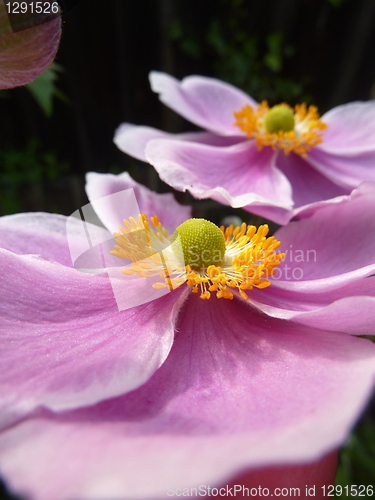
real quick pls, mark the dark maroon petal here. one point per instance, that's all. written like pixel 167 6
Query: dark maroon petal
pixel 26 54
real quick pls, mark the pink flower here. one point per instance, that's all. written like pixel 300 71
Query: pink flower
pixel 24 55
pixel 270 162
pixel 179 392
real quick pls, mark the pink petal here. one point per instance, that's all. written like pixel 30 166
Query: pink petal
pixel 323 280
pixel 351 128
pixel 349 308
pixel 207 102
pixel 308 185
pixel 347 154
pixel 237 175
pixel 208 138
pixel 346 169
pixel 26 54
pixel 43 234
pixel 170 213
pixel 309 209
pixel 132 139
pixel 259 390
pixel 354 315
pixel 64 344
pixel 338 238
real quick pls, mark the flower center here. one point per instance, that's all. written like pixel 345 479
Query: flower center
pixel 282 127
pixel 279 119
pixel 201 241
pixel 246 256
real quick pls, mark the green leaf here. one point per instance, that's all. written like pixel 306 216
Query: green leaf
pixel 43 88
pixel 357 457
pixel 274 58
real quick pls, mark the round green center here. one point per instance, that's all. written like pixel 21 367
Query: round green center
pixel 280 118
pixel 199 242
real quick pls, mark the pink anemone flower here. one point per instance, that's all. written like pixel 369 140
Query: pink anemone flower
pixel 268 161
pixel 25 54
pixel 181 392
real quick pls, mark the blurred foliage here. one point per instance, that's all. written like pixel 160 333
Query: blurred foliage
pixel 253 66
pixel 336 3
pixel 253 63
pixel 44 89
pixel 26 170
pixel 357 458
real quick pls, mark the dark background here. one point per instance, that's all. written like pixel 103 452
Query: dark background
pixel 317 51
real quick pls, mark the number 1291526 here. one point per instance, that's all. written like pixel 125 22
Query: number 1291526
pixel 32 7
pixel 349 491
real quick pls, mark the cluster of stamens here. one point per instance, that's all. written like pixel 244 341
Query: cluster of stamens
pixel 248 261
pixel 282 127
pixel 144 246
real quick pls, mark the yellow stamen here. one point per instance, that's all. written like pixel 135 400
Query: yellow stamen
pixel 306 133
pixel 249 259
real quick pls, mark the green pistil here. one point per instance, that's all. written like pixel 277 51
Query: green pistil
pixel 280 118
pixel 199 242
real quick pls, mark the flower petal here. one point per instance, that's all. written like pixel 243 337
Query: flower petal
pixel 171 213
pixel 309 209
pixel 308 185
pixel 26 54
pixel 349 308
pixel 262 391
pixel 207 102
pixel 351 128
pixel 347 154
pixel 237 175
pixel 132 139
pixel 347 170
pixel 64 343
pixel 354 315
pixel 324 279
pixel 43 234
pixel 338 238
